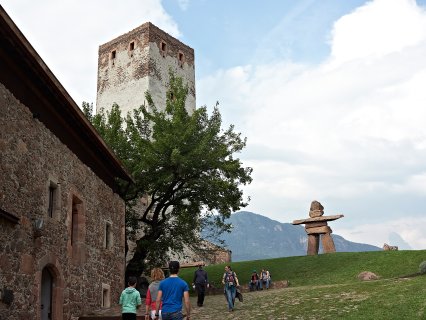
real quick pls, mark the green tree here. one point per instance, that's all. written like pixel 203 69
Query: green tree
pixel 185 163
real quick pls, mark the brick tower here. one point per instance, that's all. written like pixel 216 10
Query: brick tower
pixel 139 61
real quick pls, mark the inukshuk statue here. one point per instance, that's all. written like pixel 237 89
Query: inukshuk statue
pixel 316 227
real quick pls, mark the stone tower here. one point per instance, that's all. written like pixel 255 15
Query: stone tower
pixel 139 61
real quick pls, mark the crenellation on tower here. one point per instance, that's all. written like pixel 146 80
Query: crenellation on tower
pixel 139 61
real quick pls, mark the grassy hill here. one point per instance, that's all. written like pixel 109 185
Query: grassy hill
pixel 326 287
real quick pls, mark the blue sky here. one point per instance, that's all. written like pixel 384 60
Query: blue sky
pixel 228 33
pixel 329 93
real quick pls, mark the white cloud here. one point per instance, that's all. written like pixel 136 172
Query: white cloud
pixel 183 4
pixel 347 129
pixel 409 229
pixel 65 33
pixel 377 29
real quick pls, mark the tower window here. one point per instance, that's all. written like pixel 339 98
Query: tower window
pixel 113 54
pixel 163 48
pixel 181 59
pixel 108 235
pixel 132 46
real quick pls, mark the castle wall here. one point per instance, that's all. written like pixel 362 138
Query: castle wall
pixel 207 252
pixel 139 61
pixel 87 267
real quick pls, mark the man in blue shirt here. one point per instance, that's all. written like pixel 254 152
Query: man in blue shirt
pixel 171 291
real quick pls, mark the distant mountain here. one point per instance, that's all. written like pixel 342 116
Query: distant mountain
pixel 256 237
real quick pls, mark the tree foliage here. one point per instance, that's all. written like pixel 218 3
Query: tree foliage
pixel 186 165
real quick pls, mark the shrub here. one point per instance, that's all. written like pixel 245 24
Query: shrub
pixel 422 267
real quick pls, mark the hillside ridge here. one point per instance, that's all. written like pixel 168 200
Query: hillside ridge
pixel 255 237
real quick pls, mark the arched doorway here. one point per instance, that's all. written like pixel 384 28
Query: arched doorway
pixel 46 294
pixel 51 286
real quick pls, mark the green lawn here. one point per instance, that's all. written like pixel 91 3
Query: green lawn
pixel 326 287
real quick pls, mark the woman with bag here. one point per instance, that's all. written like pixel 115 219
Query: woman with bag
pixel 230 282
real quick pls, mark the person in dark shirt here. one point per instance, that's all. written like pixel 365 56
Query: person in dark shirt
pixel 200 282
pixel 254 281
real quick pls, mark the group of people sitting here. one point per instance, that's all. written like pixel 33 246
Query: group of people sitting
pixel 260 281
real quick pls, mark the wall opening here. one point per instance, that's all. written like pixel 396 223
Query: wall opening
pixel 74 220
pixel 113 56
pixel 106 296
pixel 108 235
pixel 53 195
pixel 163 48
pixel 46 300
pixel 181 59
pixel 50 299
pixel 132 46
pixel 77 232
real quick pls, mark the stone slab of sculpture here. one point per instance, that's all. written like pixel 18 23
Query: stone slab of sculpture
pixel 316 210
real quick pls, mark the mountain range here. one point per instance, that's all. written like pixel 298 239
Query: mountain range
pixel 255 237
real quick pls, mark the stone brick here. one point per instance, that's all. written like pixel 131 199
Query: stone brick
pixel 315 224
pixel 318 230
pixel 313 244
pixel 27 264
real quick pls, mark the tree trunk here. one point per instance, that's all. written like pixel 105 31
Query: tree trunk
pixel 136 265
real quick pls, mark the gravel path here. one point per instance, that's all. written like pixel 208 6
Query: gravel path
pixel 216 308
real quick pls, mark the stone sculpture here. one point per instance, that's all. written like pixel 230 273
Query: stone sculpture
pixel 316 227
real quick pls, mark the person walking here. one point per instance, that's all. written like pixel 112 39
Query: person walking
pixel 170 294
pixel 201 282
pixel 130 300
pixel 230 282
pixel 151 295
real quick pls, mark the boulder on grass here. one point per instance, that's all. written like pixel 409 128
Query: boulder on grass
pixel 367 276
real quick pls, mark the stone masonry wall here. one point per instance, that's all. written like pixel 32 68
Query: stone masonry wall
pixel 134 63
pixel 207 252
pixel 31 160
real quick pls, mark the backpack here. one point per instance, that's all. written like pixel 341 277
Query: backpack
pixel 230 278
